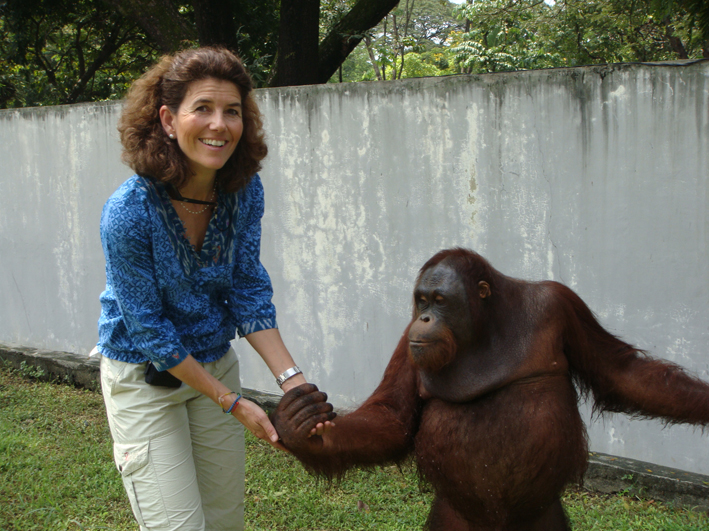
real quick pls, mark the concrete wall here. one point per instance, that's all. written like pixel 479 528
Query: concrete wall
pixel 595 177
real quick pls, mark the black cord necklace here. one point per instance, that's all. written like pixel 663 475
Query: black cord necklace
pixel 175 194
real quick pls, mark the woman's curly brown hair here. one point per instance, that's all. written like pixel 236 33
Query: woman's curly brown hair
pixel 146 147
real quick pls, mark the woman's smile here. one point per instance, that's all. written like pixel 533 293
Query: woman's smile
pixel 208 124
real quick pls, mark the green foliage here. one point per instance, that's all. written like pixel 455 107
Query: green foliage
pixel 30 371
pixel 422 65
pixel 522 34
pixel 63 51
pixel 418 31
pixel 60 51
pixel 258 39
pixel 356 67
pixel 331 12
pixel 503 35
pixel 698 10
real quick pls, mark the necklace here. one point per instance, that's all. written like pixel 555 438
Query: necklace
pixel 211 199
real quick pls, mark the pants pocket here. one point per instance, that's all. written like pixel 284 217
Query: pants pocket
pixel 111 371
pixel 141 484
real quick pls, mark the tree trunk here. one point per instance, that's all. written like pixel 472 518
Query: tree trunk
pixel 384 40
pixel 297 62
pixel 397 46
pixel 348 33
pixel 215 25
pixel 678 47
pixel 409 9
pixel 368 42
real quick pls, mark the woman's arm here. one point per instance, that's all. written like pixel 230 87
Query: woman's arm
pixel 250 300
pixel 246 412
pixel 130 270
pixel 270 346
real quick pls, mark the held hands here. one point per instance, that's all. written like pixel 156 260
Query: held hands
pixel 307 406
pixel 302 417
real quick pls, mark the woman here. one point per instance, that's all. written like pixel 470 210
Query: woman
pixel 182 241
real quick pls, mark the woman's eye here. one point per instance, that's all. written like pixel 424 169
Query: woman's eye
pixel 234 112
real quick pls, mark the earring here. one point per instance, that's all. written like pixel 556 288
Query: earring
pixel 171 136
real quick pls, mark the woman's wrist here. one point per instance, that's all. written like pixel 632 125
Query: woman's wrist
pixel 287 375
pixel 292 382
pixel 228 401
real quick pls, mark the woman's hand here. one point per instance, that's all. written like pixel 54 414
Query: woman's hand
pixel 257 422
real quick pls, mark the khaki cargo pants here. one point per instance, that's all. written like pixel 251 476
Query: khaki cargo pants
pixel 180 457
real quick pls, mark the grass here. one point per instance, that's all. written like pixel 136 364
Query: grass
pixel 56 473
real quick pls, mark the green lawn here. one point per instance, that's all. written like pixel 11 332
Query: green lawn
pixel 56 473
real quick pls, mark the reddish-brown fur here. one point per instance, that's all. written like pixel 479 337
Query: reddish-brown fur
pixel 499 434
pixel 440 354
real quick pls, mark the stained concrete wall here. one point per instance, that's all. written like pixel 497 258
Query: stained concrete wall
pixel 596 177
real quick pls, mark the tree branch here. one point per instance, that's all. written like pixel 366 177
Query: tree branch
pixel 348 33
pixel 110 46
pixel 158 18
pixel 368 43
pixel 39 43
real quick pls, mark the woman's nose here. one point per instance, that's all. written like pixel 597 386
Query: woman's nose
pixel 218 121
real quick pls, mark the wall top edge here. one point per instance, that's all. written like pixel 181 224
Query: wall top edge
pixel 685 65
pixel 693 65
pixel 89 107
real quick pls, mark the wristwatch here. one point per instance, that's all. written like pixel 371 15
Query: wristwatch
pixel 288 373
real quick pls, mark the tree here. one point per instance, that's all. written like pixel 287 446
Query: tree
pixel 518 34
pixel 349 32
pixel 61 51
pixel 698 11
pixel 414 27
pixel 298 43
pixel 249 27
pixel 298 28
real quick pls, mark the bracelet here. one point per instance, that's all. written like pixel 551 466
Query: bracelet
pixel 288 373
pixel 219 400
pixel 233 405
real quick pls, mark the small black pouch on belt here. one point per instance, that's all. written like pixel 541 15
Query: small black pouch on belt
pixel 161 379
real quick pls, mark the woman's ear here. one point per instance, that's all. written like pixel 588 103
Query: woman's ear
pixel 168 121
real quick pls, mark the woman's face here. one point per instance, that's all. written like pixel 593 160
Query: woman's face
pixel 207 124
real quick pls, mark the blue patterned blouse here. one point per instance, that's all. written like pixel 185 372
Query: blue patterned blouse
pixel 163 299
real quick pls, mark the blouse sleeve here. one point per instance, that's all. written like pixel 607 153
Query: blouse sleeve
pixel 250 297
pixel 130 268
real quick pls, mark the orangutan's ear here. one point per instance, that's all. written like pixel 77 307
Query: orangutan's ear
pixel 484 289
